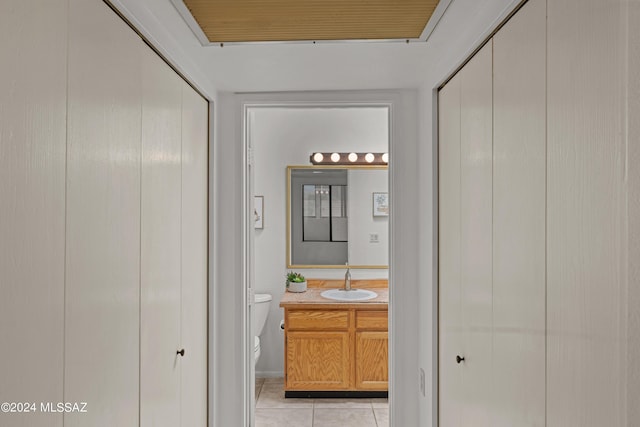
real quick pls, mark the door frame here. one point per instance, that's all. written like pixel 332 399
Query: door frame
pixel 399 337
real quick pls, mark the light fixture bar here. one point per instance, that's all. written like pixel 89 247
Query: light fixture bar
pixel 350 158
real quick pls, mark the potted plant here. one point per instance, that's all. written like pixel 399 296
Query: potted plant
pixel 296 282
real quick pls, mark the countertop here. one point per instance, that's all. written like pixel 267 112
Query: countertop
pixel 312 299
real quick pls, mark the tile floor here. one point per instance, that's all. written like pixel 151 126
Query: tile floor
pixel 273 410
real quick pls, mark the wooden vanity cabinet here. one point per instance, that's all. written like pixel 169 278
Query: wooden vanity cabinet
pixel 371 350
pixel 318 360
pixel 317 349
pixel 336 349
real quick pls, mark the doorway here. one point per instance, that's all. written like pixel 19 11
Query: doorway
pixel 230 373
pixel 282 138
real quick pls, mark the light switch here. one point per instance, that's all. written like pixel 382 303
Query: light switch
pixel 374 238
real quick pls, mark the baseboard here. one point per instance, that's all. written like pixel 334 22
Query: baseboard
pixel 337 394
pixel 269 374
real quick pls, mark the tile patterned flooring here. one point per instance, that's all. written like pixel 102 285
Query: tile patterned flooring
pixel 273 410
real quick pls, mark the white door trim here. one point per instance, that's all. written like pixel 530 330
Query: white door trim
pixel 403 343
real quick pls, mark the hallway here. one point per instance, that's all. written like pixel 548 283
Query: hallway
pixel 514 234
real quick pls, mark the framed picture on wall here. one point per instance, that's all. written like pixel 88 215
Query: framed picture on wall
pixel 258 212
pixel 380 204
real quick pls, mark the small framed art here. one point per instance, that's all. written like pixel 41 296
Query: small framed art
pixel 380 204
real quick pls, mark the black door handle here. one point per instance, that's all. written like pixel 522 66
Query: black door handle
pixel 180 352
pixel 459 359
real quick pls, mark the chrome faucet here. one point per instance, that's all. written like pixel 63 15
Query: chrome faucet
pixel 347 279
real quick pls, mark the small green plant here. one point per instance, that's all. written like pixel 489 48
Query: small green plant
pixel 293 277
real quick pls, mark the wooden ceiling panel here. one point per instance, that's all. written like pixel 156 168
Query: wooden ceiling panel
pixel 293 20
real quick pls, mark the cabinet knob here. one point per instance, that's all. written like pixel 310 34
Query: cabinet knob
pixel 459 359
pixel 180 352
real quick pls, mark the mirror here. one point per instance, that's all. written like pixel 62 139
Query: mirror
pixel 337 214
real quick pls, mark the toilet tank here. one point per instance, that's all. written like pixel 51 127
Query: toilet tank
pixel 260 312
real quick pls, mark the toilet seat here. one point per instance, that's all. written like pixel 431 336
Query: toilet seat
pixel 262 298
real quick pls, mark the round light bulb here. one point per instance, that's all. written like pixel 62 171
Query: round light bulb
pixel 353 157
pixel 369 157
pixel 385 157
pixel 335 157
pixel 318 157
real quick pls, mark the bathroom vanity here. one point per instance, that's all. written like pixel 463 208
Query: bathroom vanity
pixel 336 348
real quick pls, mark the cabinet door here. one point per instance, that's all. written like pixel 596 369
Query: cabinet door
pixel 371 359
pixel 519 186
pixel 476 137
pixel 449 324
pixel 318 360
pixel 161 244
pixel 194 258
pixel 103 218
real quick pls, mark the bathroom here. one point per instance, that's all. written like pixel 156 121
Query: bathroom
pixel 284 136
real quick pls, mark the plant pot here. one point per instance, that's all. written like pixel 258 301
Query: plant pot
pixel 297 286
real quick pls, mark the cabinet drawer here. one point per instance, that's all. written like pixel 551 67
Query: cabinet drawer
pixel 318 319
pixel 374 320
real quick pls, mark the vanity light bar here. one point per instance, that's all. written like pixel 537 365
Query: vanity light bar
pixel 349 158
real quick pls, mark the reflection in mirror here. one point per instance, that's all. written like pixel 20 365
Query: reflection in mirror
pixel 330 218
pixel 324 213
pixel 319 235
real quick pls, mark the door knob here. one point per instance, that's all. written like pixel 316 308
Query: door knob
pixel 459 359
pixel 180 352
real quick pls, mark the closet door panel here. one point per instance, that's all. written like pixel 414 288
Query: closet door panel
pixel 585 300
pixel 194 257
pixel 519 207
pixel 103 218
pixel 33 84
pixel 161 244
pixel 476 236
pixel 450 328
pixel 633 215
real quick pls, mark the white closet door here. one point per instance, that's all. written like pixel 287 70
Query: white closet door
pixel 586 296
pixel 519 206
pixel 476 117
pixel 161 244
pixel 633 213
pixel 450 328
pixel 103 218
pixel 33 84
pixel 194 257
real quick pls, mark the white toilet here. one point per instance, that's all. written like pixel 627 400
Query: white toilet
pixel 260 313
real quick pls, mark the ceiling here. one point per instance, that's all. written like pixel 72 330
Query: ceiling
pixel 224 21
pixel 276 67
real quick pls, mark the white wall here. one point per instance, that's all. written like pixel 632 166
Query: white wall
pixel 362 223
pixel 287 136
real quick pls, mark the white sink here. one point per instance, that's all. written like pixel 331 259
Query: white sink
pixel 352 295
